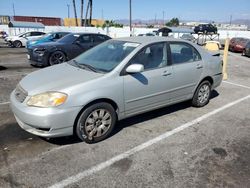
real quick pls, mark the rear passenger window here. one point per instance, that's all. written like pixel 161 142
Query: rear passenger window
pixel 100 38
pixel 183 53
pixel 85 39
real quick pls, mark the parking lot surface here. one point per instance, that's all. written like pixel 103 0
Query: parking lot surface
pixel 176 146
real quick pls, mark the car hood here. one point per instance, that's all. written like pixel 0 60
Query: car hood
pixel 56 78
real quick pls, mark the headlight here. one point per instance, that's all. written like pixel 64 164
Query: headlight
pixel 46 100
pixel 40 52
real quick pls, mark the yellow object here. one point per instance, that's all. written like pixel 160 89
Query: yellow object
pixel 225 58
pixel 71 22
pixel 212 46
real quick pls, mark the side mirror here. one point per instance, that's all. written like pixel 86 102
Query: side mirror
pixel 135 68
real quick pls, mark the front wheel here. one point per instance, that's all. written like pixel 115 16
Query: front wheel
pixel 17 44
pixel 202 94
pixel 96 122
pixel 57 57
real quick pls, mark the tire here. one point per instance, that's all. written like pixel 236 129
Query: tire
pixel 202 94
pixel 57 57
pixel 17 44
pixel 243 53
pixel 99 118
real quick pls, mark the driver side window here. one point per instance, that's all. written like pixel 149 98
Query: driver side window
pixel 151 57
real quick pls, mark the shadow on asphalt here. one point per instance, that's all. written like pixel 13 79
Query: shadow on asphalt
pixel 13 133
pixel 3 68
pixel 155 114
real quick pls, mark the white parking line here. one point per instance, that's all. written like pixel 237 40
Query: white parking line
pixel 4 103
pixel 239 85
pixel 105 164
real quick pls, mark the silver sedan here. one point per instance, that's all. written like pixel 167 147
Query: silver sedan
pixel 115 80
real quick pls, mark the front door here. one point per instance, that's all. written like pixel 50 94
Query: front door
pixel 148 89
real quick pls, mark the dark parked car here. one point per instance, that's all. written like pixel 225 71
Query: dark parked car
pixel 64 49
pixel 205 28
pixel 238 44
pixel 246 51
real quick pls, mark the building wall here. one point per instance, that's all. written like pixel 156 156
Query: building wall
pixel 50 21
pixel 4 20
pixel 71 22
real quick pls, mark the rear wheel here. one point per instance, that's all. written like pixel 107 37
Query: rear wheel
pixel 17 44
pixel 244 53
pixel 202 94
pixel 57 57
pixel 96 122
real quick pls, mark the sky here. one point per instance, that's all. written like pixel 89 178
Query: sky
pixel 195 10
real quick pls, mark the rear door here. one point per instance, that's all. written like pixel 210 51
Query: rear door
pixel 187 69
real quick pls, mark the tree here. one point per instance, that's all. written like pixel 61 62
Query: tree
pixel 173 22
pixel 86 15
pixel 90 11
pixel 74 5
pixel 82 5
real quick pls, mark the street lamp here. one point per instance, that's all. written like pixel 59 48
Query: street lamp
pixel 68 10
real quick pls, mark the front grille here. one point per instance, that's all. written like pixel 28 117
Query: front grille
pixel 20 93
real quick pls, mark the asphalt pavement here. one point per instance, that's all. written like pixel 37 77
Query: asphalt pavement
pixel 177 146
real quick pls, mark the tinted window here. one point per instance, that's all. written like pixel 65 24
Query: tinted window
pixel 183 52
pixel 85 39
pixel 153 56
pixel 26 34
pixel 100 38
pixel 70 38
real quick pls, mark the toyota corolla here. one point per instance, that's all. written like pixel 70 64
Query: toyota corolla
pixel 112 81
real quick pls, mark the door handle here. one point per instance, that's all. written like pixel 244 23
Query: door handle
pixel 199 66
pixel 166 73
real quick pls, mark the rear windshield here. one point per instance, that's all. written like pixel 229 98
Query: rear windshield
pixel 69 38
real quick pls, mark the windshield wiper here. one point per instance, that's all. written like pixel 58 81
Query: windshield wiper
pixel 84 66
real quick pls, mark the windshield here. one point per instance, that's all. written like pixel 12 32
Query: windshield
pixel 48 36
pixel 106 56
pixel 69 38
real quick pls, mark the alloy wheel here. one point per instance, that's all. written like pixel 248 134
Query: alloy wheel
pixel 203 94
pixel 97 123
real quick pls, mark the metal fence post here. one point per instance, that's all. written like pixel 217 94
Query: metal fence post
pixel 225 59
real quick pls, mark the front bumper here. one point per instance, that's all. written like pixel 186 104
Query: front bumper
pixel 36 59
pixel 44 122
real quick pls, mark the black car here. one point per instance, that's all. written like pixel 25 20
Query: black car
pixel 205 28
pixel 64 49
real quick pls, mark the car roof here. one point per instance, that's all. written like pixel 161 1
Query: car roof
pixel 86 33
pixel 148 39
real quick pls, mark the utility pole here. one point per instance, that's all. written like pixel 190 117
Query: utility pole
pixel 163 15
pixel 13 6
pixel 231 19
pixel 130 17
pixel 68 10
